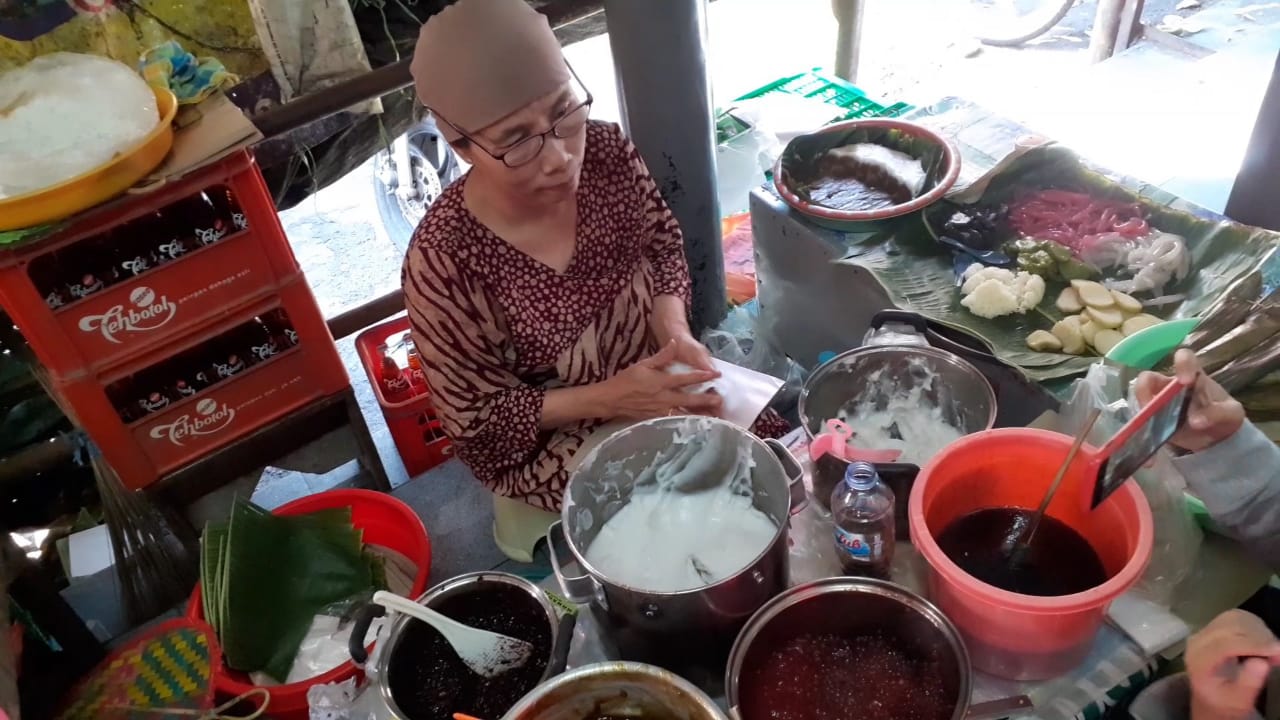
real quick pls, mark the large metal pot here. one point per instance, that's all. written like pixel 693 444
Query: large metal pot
pixel 616 689
pixel 670 628
pixel 961 392
pixel 384 705
pixel 851 606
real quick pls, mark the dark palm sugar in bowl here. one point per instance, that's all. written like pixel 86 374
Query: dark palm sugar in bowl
pixel 860 677
pixel 428 680
pixel 1058 560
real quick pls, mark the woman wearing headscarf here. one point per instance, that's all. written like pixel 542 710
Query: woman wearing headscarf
pixel 548 287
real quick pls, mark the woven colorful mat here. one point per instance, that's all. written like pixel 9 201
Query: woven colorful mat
pixel 167 669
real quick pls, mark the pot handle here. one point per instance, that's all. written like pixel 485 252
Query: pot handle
pixel 580 589
pixel 915 321
pixel 998 708
pixel 794 473
pixel 356 644
pixel 927 335
pixel 564 639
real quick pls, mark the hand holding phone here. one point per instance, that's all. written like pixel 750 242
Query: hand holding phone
pixel 1143 436
pixel 1213 416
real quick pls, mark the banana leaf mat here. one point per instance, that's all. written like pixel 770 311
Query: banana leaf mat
pixel 918 274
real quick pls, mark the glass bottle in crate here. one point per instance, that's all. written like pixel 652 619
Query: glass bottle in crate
pixel 277 325
pixel 862 510
pixel 203 220
pixel 262 341
pixel 46 275
pixel 133 257
pixel 394 381
pixel 224 201
pixel 170 236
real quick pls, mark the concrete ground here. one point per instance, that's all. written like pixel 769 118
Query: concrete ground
pixel 914 50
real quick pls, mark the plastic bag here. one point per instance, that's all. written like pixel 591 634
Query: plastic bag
pixel 1177 537
pixel 740 348
pixel 334 701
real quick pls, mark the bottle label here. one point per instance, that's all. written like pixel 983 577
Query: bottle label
pixel 868 547
pixel 209 236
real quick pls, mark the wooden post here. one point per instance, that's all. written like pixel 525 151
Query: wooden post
pixel 849 14
pixel 1116 24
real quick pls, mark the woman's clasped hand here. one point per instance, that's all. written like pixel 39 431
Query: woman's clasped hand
pixel 648 390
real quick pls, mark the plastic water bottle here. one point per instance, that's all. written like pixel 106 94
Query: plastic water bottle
pixel 862 508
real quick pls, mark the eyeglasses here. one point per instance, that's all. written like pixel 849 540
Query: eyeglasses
pixel 524 151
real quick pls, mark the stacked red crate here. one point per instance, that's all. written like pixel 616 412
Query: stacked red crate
pixel 176 326
pixel 417 432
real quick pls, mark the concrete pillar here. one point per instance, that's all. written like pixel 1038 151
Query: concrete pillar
pixel 849 15
pixel 659 52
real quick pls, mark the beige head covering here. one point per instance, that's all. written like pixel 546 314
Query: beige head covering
pixel 478 61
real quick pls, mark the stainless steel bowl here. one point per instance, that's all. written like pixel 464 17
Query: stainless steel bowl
pixel 463 585
pixel 668 627
pixel 962 392
pixel 850 606
pixel 616 688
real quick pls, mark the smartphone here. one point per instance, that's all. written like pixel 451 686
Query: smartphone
pixel 1143 436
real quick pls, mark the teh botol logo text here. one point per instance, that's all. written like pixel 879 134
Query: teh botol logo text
pixel 148 313
pixel 210 417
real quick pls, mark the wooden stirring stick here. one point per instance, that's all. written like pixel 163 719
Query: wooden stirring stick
pixel 1024 539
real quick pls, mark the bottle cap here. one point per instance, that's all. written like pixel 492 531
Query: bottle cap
pixel 860 476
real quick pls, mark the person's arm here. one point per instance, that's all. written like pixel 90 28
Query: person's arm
pixel 494 419
pixel 1234 469
pixel 1238 479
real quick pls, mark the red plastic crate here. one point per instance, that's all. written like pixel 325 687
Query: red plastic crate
pixel 135 317
pixel 418 434
pixel 145 450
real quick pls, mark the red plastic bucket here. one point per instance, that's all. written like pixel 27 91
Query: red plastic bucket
pixel 386 522
pixel 1009 635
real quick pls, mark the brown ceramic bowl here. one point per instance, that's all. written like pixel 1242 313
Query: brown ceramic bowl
pixel 939 157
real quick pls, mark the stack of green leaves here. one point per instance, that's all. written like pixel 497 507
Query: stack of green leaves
pixel 265 577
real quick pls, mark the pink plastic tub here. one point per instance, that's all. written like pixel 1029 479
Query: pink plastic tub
pixel 1009 635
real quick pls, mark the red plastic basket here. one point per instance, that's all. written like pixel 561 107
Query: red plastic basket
pixel 417 432
pixel 143 451
pixel 142 314
pixel 386 522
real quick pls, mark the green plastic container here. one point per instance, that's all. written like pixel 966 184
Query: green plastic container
pixel 849 101
pixel 1143 349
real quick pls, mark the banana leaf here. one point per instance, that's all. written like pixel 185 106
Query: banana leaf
pixel 277 574
pixel 212 546
pixel 918 274
pixel 1231 308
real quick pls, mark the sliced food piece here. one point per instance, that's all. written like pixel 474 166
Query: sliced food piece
pixel 1105 340
pixel 1138 323
pixel 991 299
pixel 1067 330
pixel 1093 294
pixel 1108 318
pixel 1126 302
pixel 1088 329
pixel 1069 301
pixel 1044 341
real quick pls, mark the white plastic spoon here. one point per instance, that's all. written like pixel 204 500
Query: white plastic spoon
pixel 485 653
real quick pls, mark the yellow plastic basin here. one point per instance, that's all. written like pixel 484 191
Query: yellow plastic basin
pixel 98 185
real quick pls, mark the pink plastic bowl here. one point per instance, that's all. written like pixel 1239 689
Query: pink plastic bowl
pixel 1009 635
